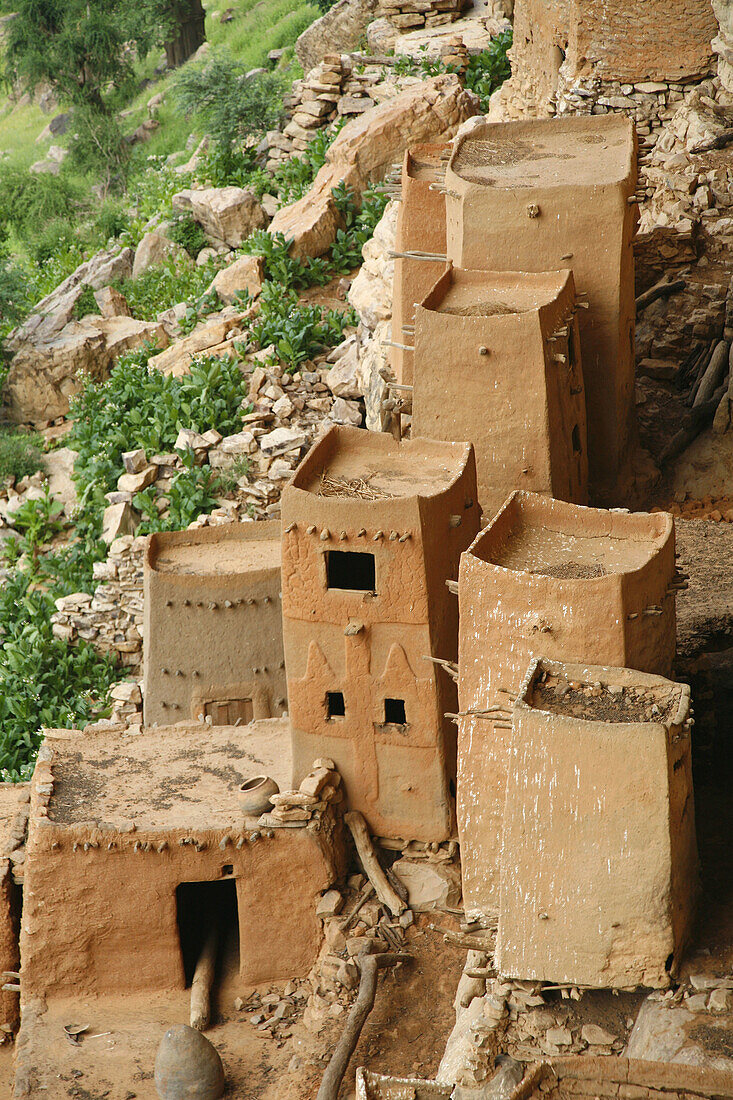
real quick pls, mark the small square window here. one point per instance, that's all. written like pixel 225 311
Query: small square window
pixel 335 706
pixel 351 570
pixel 394 712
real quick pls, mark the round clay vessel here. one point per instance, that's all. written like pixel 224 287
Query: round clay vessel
pixel 187 1066
pixel 254 795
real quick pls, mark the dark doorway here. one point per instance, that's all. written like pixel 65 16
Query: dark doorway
pixel 198 906
pixel 351 570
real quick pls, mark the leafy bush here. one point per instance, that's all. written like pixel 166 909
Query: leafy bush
pixel 230 166
pixel 86 304
pixel 16 294
pixel 111 221
pixel 488 70
pixel 188 233
pixel 360 224
pixel 298 332
pixel 138 407
pixel 43 681
pixel 225 102
pixel 194 491
pixel 20 454
pixel 165 285
pixel 154 189
pixel 31 200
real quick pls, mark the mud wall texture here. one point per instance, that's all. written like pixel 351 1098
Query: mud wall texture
pixel 510 615
pixel 421 228
pixel 583 221
pixel 598 859
pixel 612 1077
pixel 214 634
pixel 100 906
pixel 365 652
pixel 499 373
pixel 9 951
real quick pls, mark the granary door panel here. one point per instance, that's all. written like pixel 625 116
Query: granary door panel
pixel 229 712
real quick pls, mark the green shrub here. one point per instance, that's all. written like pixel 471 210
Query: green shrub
pixel 86 304
pixel 17 294
pixel 488 70
pixel 194 491
pixel 230 166
pixel 31 200
pixel 52 239
pixel 43 681
pixel 20 454
pixel 188 233
pixel 138 407
pixel 225 102
pixel 298 332
pixel 154 188
pixel 164 286
pixel 111 220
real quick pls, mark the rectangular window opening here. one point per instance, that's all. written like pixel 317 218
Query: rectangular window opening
pixel 351 570
pixel 394 712
pixel 335 706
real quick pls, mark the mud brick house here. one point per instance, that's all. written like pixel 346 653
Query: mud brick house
pixel 547 579
pixel 598 856
pixel 629 41
pixel 552 194
pixel 498 357
pixel 420 228
pixel 139 838
pixel 371 530
pixel 13 824
pixel 213 625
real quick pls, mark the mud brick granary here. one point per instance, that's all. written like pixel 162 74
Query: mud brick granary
pixel 550 579
pixel 499 364
pixel 545 195
pixel 371 531
pixel 598 856
pixel 213 625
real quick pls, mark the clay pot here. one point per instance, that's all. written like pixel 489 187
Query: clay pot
pixel 254 795
pixel 187 1066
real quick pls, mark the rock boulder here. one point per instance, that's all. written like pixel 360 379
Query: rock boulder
pixel 226 214
pixel 340 30
pixel 429 111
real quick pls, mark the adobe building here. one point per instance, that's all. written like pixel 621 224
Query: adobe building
pixel 555 194
pixel 498 357
pixel 137 838
pixel 558 43
pixel 13 825
pixel 371 530
pixel 213 625
pixel 420 228
pixel 599 870
pixel 547 579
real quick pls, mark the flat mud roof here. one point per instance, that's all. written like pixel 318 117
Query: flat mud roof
pixel 183 776
pixel 494 293
pixel 357 465
pixel 568 152
pixel 231 549
pixel 534 534
pixel 596 701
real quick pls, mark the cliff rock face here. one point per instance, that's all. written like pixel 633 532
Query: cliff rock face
pixel 340 30
pixel 723 42
pixel 365 150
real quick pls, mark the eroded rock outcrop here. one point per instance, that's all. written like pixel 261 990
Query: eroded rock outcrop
pixel 366 148
pixel 226 214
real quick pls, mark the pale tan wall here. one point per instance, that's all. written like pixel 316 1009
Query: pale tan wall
pixel 588 846
pixel 639 40
pixel 541 32
pixel 506 619
pixel 104 921
pixel 420 227
pixel 208 649
pixel 601 1076
pixel 515 404
pixel 590 229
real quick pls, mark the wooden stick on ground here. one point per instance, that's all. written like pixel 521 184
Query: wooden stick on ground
pixel 362 1006
pixel 659 291
pixel 371 864
pixel 203 980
